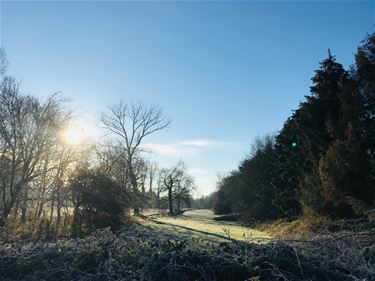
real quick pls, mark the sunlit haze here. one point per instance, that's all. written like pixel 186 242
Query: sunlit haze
pixel 73 136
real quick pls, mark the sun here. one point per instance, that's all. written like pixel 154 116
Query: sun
pixel 72 136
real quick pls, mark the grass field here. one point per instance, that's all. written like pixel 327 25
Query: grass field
pixel 201 223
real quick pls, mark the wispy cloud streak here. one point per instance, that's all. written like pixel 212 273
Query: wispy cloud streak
pixel 186 148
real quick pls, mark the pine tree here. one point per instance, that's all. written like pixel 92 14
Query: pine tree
pixel 300 145
pixel 343 166
pixel 256 190
pixel 365 63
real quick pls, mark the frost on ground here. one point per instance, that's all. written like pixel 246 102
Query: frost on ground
pixel 143 253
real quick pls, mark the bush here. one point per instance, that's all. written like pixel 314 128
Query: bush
pixel 98 202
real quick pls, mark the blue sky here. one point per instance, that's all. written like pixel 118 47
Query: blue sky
pixel 225 72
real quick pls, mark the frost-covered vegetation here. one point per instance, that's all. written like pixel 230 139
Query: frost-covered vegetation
pixel 145 253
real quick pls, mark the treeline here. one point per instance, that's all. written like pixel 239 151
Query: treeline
pixel 323 159
pixel 52 181
pixel 204 202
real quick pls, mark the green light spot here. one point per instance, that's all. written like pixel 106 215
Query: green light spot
pixel 294 144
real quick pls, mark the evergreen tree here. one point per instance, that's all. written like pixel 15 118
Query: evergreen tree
pixel 323 159
pixel 299 147
pixel 227 194
pixel 342 165
pixel 365 71
pixel 365 74
pixel 256 190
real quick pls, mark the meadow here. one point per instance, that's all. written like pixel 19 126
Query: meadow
pixel 202 223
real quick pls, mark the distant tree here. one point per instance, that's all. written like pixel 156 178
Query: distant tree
pixel 153 169
pixel 205 202
pixel 141 172
pixel 227 194
pixel 250 191
pixel 170 179
pixel 177 185
pixel 183 190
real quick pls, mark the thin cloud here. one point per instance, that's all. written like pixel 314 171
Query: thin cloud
pixel 199 143
pixel 185 148
pixel 171 150
pixel 207 143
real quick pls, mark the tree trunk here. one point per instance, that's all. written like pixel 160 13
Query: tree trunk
pixel 8 207
pixel 52 207
pixel 143 188
pixel 150 188
pixel 75 223
pixel 24 205
pixel 133 182
pixel 58 219
pixel 58 209
pixel 15 210
pixel 170 200
pixel 40 209
pixel 178 205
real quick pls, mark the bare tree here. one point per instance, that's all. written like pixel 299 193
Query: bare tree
pixel 132 123
pixel 160 184
pixel 109 157
pixel 183 190
pixel 152 173
pixel 28 129
pixel 178 185
pixel 3 62
pixel 170 180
